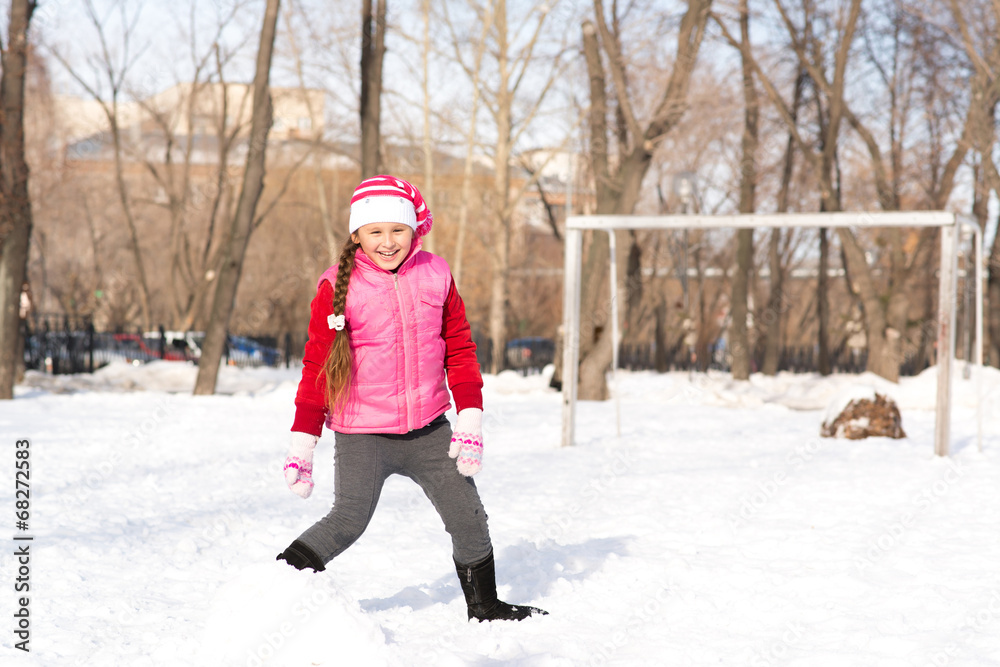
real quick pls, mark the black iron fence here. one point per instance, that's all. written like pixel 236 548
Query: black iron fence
pixel 524 355
pixel 60 344
pixel 796 359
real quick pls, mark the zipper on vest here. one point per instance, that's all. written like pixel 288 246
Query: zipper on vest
pixel 407 354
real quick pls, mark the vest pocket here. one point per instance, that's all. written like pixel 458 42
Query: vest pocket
pixel 431 311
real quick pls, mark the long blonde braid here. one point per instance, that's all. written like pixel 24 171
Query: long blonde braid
pixel 338 365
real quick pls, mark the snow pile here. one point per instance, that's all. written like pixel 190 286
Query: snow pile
pixel 807 391
pixel 163 376
pixel 273 614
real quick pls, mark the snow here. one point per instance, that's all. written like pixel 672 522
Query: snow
pixel 718 529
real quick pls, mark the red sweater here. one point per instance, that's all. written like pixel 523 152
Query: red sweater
pixel 461 365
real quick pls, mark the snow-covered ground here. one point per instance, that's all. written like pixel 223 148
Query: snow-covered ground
pixel 718 529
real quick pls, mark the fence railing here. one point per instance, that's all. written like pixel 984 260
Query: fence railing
pixel 796 359
pixel 60 344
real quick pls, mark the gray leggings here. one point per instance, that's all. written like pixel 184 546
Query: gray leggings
pixel 363 463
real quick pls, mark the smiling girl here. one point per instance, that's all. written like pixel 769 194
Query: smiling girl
pixel 387 337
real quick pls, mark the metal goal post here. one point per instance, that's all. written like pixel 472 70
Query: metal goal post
pixel 950 223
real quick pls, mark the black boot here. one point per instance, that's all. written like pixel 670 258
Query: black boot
pixel 301 557
pixel 480 587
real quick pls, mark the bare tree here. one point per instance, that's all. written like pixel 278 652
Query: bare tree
pixel 193 260
pixel 473 70
pixel 883 337
pixel 738 337
pixel 887 303
pixel 243 221
pixel 618 178
pixel 428 145
pixel 372 55
pixel 776 297
pixel 513 110
pixel 512 69
pixel 114 74
pixel 982 46
pixel 326 214
pixel 15 204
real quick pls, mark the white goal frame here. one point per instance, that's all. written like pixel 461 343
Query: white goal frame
pixel 950 223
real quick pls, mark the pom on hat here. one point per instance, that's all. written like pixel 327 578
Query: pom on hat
pixel 389 199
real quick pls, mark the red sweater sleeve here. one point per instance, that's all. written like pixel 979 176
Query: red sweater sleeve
pixel 310 400
pixel 464 378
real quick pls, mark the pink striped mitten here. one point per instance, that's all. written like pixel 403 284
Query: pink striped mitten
pixel 299 463
pixel 467 441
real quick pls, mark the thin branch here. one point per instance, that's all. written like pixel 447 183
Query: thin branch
pixel 284 186
pixel 617 67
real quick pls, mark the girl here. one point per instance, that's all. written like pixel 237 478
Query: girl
pixel 387 329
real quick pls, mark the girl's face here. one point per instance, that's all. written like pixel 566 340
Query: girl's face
pixel 386 243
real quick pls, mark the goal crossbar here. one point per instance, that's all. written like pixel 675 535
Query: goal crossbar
pixel 949 223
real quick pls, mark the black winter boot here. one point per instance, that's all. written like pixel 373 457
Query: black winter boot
pixel 301 557
pixel 480 587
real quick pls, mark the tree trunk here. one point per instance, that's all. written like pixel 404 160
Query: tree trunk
pixel 660 361
pixel 993 304
pixel 772 318
pixel 428 185
pixel 634 312
pixel 372 53
pixel 823 304
pixel 499 265
pixel 702 353
pixel 595 314
pixel 15 204
pixel 617 189
pixel 776 299
pixel 883 354
pixel 500 237
pixel 592 383
pixel 242 222
pixel 739 339
pixel 829 203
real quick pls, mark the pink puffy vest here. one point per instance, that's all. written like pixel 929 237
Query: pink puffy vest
pixel 394 319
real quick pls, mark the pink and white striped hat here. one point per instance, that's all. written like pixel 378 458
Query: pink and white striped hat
pixel 389 199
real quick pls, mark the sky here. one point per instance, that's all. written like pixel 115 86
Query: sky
pixel 331 53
